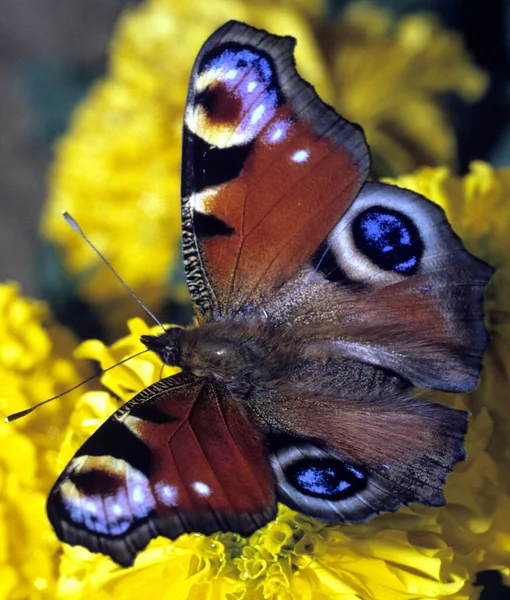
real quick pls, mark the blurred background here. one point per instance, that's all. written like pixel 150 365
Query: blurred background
pixel 52 51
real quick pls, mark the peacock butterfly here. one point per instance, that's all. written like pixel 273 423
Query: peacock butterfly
pixel 321 302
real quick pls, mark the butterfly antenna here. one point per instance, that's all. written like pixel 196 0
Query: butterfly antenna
pixel 78 229
pixel 24 413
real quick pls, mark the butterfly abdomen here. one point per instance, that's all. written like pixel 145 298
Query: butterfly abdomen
pixel 334 376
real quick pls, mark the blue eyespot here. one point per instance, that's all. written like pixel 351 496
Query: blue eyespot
pixel 326 478
pixel 389 239
pixel 242 90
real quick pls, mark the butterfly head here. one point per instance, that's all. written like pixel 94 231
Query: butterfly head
pixel 167 346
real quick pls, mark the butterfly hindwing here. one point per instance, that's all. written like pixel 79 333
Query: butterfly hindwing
pixel 258 145
pixel 393 286
pixel 179 457
pixel 338 460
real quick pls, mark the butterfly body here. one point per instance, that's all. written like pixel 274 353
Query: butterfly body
pixel 253 359
pixel 322 302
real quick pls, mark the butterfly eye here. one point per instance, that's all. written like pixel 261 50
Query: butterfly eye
pixel 171 356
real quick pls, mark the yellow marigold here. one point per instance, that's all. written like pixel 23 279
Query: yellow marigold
pixel 34 365
pixel 418 552
pixel 118 169
pixel 388 75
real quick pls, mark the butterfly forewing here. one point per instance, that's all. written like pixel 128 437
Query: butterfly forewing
pixel 258 145
pixel 179 457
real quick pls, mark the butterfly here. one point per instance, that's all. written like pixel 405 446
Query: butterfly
pixel 322 301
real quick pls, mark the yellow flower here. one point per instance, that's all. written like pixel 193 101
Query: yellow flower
pixel 417 552
pixel 388 76
pixel 34 365
pixel 117 171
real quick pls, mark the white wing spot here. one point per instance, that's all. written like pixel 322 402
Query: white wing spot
pixel 300 156
pixel 167 494
pixel 137 494
pixel 202 489
pixel 257 114
pixel 277 135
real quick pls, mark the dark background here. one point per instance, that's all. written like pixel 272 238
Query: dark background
pixel 52 50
